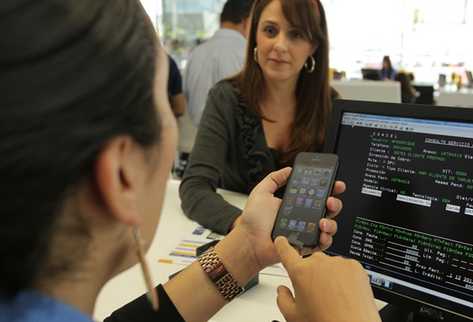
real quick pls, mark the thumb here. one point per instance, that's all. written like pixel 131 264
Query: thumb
pixel 287 254
pixel 273 181
pixel 287 304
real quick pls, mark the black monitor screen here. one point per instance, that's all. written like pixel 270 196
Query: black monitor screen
pixel 408 208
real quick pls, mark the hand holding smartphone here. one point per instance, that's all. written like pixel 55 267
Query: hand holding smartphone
pixel 304 202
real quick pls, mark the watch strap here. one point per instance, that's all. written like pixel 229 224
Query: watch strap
pixel 226 285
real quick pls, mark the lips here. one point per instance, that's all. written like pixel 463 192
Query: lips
pixel 278 61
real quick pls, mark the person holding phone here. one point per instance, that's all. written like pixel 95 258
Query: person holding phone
pixel 258 121
pixel 84 166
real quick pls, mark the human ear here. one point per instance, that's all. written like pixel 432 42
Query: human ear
pixel 119 177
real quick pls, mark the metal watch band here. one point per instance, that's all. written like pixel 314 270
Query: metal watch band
pixel 218 274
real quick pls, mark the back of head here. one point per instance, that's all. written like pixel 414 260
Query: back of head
pixel 236 11
pixel 74 75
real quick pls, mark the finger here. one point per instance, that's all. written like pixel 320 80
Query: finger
pixel 287 304
pixel 339 188
pixel 334 206
pixel 274 181
pixel 328 226
pixel 288 255
pixel 325 241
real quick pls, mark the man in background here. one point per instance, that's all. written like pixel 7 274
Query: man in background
pixel 175 93
pixel 220 57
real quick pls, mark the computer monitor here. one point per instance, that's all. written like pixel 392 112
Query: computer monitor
pixel 408 207
pixel 371 73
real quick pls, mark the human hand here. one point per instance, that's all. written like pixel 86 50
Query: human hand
pixel 258 217
pixel 236 222
pixel 327 289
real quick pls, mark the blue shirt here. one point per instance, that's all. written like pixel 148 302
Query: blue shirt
pixel 220 57
pixel 31 306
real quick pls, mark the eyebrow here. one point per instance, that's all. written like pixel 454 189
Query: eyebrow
pixel 270 22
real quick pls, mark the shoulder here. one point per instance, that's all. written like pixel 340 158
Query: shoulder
pixel 226 99
pixel 225 93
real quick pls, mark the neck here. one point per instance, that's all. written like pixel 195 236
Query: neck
pixel 87 270
pixel 78 290
pixel 233 26
pixel 280 99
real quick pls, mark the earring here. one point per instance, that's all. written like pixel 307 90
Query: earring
pixel 255 54
pixel 152 295
pixel 310 69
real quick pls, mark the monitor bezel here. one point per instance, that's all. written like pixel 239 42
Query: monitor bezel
pixel 441 113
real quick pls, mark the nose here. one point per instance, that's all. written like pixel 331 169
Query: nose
pixel 281 45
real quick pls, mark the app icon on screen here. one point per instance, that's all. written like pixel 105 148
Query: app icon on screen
pixel 283 223
pixel 301 226
pixel 311 227
pixel 288 210
pixel 299 201
pixel 308 203
pixel 292 225
pixel 318 204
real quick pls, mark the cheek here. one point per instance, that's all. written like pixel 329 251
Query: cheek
pixel 302 53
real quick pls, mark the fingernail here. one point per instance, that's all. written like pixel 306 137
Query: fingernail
pixel 323 224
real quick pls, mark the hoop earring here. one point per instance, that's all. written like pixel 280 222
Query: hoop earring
pixel 310 69
pixel 152 295
pixel 255 54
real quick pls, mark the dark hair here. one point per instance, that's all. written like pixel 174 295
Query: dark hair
pixel 313 91
pixel 74 75
pixel 236 11
pixel 387 60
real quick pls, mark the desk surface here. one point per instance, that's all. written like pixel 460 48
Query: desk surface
pixel 260 301
pixel 461 98
pixel 366 90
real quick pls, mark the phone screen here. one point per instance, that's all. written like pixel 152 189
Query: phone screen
pixel 304 203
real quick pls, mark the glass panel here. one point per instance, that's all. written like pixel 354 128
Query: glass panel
pixel 427 37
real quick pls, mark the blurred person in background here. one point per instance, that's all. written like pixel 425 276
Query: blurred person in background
pixel 221 56
pixel 176 95
pixel 387 71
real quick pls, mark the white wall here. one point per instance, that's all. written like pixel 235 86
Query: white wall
pixel 153 8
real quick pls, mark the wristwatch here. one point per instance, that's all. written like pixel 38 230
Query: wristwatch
pixel 227 286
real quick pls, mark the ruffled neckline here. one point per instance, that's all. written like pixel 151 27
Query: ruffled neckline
pixel 260 158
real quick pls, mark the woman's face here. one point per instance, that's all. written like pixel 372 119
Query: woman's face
pixel 282 48
pixel 385 63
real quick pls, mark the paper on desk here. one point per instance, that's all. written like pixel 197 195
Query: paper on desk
pixel 184 252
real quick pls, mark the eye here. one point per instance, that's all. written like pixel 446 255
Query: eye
pixel 270 31
pixel 296 34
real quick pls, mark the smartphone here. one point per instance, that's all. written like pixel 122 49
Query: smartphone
pixel 304 202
